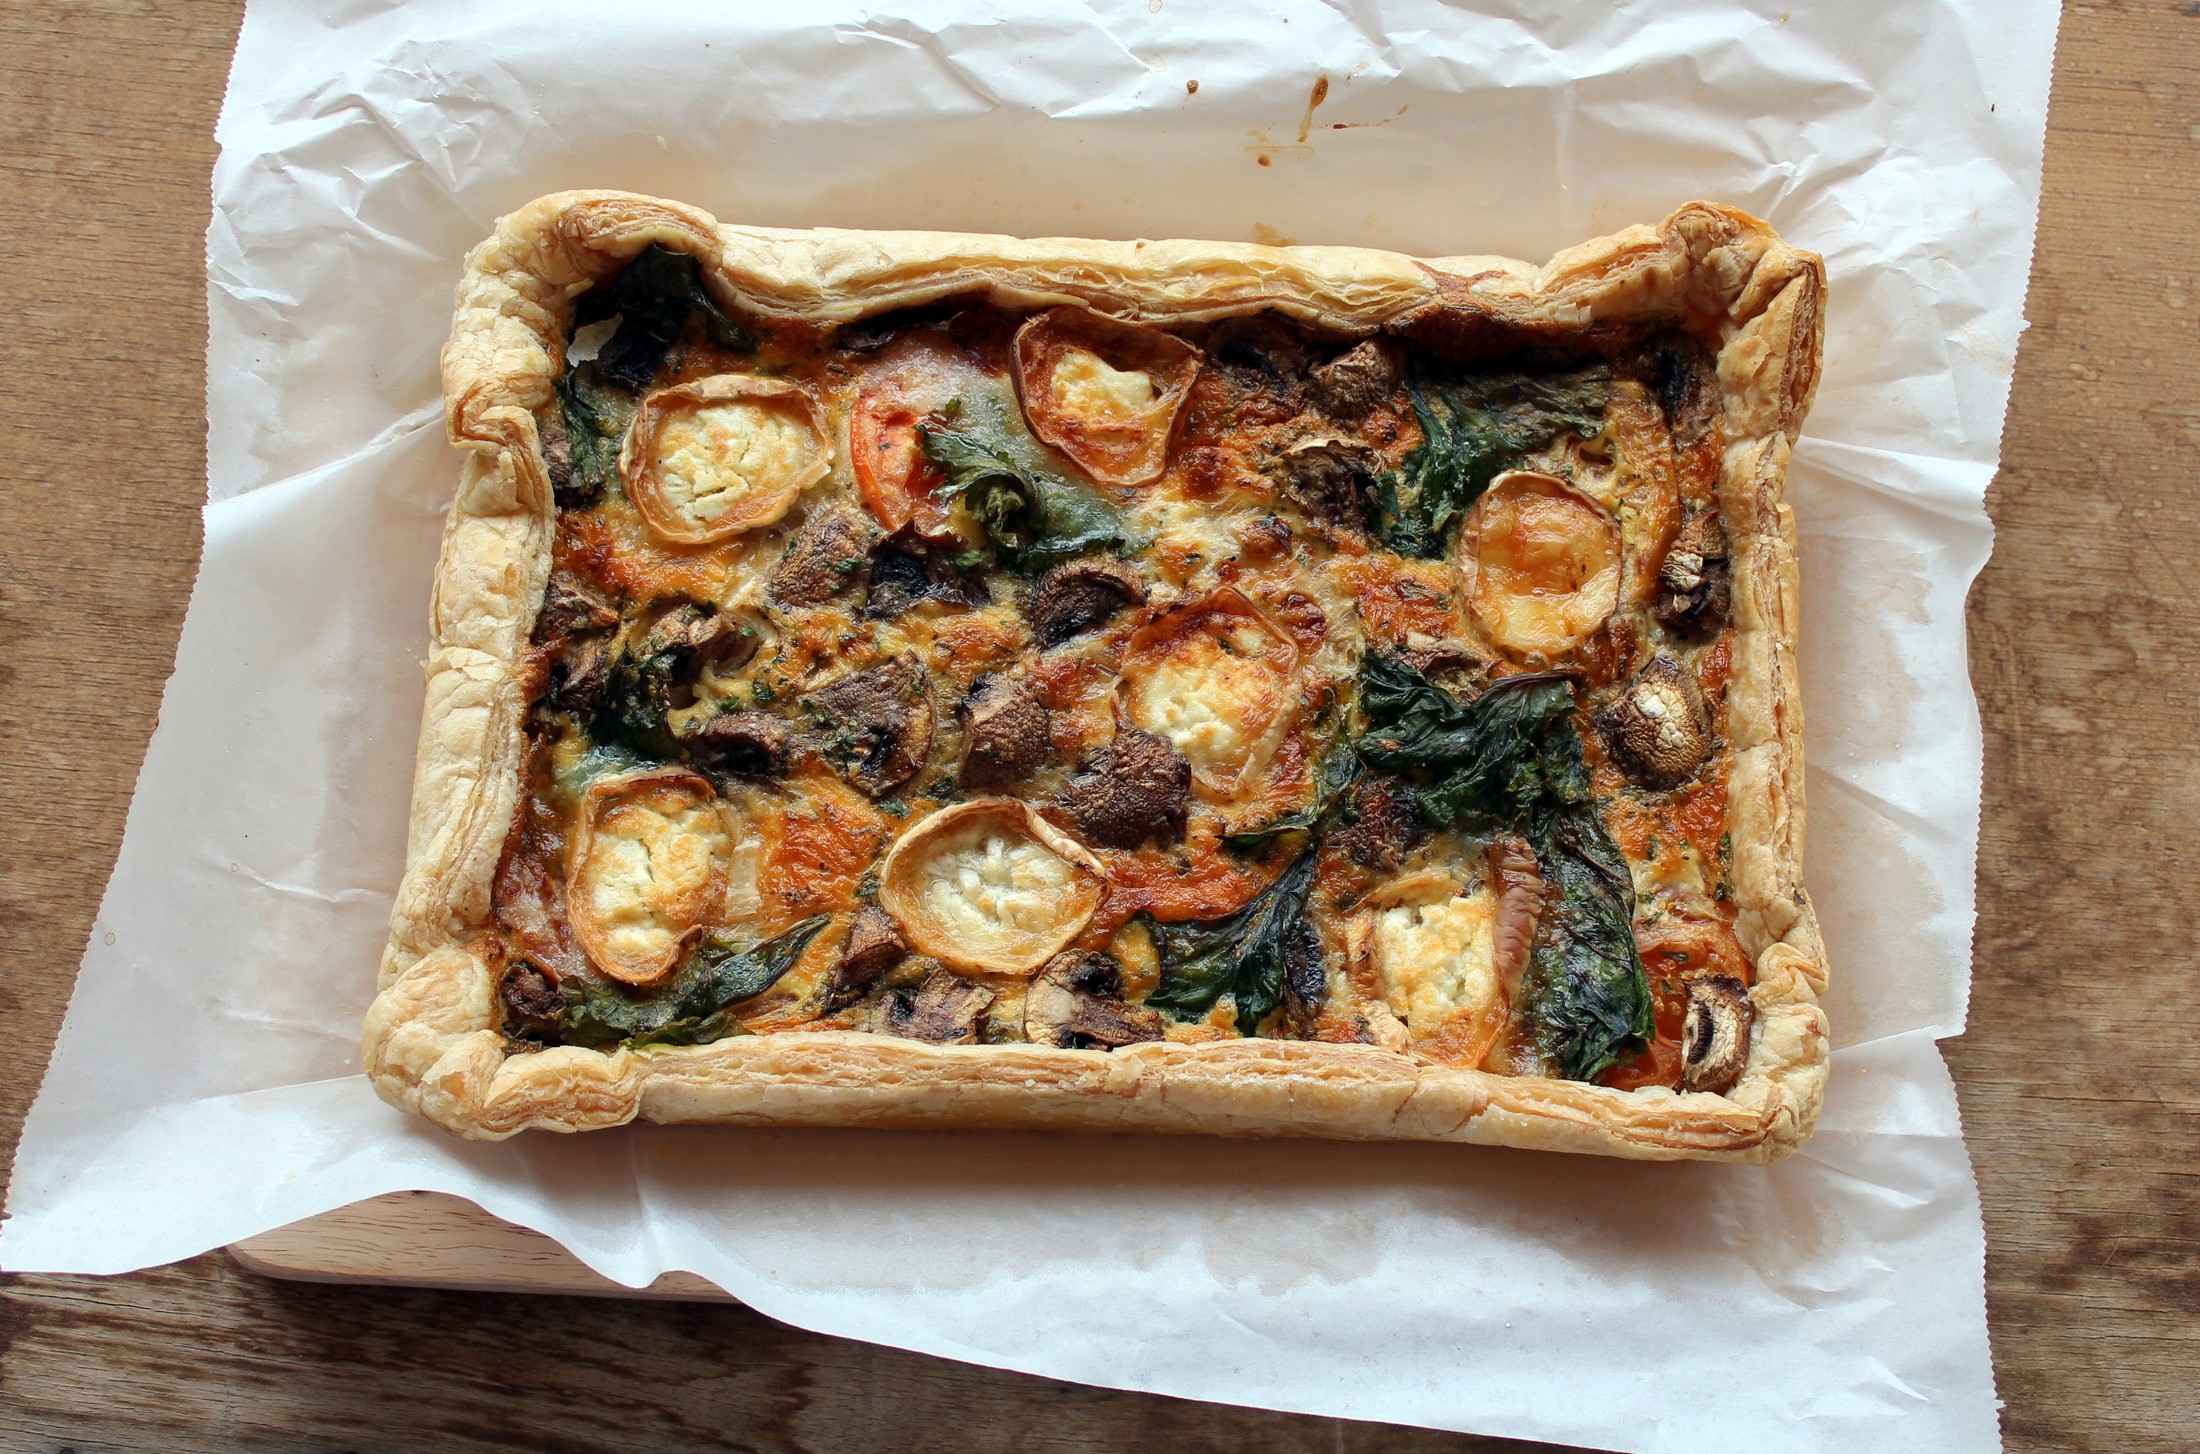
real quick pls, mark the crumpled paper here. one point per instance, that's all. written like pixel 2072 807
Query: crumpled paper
pixel 1832 1302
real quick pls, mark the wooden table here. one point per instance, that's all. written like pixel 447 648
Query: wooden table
pixel 2078 1076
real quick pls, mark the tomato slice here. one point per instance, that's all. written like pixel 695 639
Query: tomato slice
pixel 898 484
pixel 1658 1064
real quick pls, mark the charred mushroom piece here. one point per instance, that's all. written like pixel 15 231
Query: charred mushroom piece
pixel 1330 478
pixel 531 1000
pixel 557 459
pixel 1684 376
pixel 1261 353
pixel 578 676
pixel 1385 825
pixel 945 1010
pixel 1658 731
pixel 745 744
pixel 1005 734
pixel 1079 595
pixel 704 644
pixel 876 725
pixel 573 607
pixel 1715 1033
pixel 829 555
pixel 1695 589
pixel 1131 790
pixel 907 569
pixel 1447 662
pixel 1358 379
pixel 1076 1003
pixel 874 946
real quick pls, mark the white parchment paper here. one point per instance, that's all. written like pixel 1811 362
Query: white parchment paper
pixel 206 1087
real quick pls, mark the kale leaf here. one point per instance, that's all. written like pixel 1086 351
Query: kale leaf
pixel 596 420
pixel 1501 761
pixel 653 297
pixel 1512 759
pixel 1032 519
pixel 1585 991
pixel 1254 955
pixel 1474 427
pixel 697 1007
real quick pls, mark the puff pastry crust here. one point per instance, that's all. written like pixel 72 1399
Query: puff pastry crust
pixel 434 1041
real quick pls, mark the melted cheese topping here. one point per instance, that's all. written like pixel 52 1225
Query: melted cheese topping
pixel 1438 960
pixel 715 458
pixel 1087 388
pixel 1214 696
pixel 1546 565
pixel 996 892
pixel 654 871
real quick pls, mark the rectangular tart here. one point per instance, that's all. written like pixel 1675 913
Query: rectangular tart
pixel 916 679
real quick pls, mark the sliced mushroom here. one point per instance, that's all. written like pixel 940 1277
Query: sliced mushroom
pixel 1133 789
pixel 1331 478
pixel 946 1010
pixel 1076 1003
pixel 557 459
pixel 1263 357
pixel 1358 379
pixel 1106 394
pixel 875 725
pixel 531 999
pixel 1658 731
pixel 1078 595
pixel 990 885
pixel 1695 590
pixel 1448 662
pixel 907 569
pixel 708 459
pixel 1684 376
pixel 1385 824
pixel 828 556
pixel 578 676
pixel 1715 1033
pixel 573 607
pixel 707 647
pixel 1006 734
pixel 746 744
pixel 874 946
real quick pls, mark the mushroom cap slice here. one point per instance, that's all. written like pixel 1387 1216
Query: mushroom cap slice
pixel 1658 730
pixel 1006 735
pixel 876 723
pixel 1076 1003
pixel 990 885
pixel 1079 595
pixel 1131 790
pixel 719 455
pixel 1539 563
pixel 945 1009
pixel 1106 394
pixel 1217 679
pixel 1715 1034
pixel 647 870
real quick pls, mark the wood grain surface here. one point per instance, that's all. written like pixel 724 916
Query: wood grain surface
pixel 2080 1076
